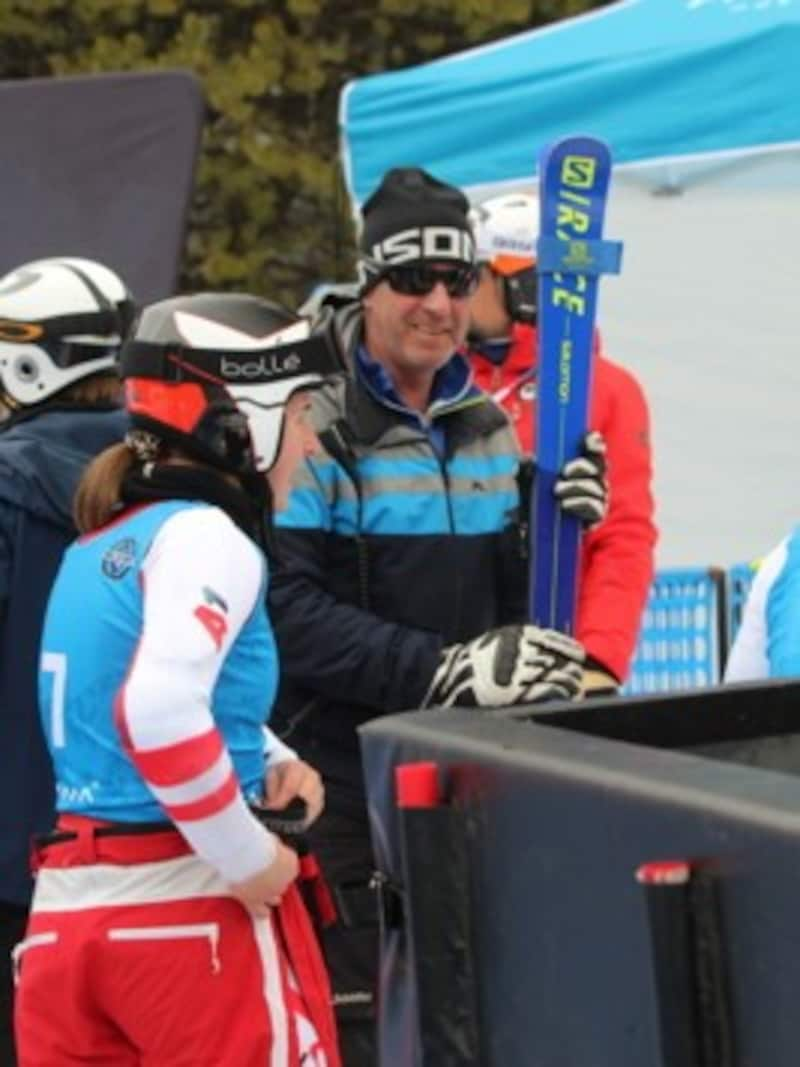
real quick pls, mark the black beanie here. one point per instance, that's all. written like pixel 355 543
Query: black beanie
pixel 413 216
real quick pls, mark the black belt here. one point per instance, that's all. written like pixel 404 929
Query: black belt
pixel 119 829
pixel 288 822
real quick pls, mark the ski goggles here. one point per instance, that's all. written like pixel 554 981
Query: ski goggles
pixel 419 279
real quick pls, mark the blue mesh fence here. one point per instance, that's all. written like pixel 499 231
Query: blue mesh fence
pixel 684 632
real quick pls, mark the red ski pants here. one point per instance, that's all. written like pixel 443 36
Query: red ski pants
pixel 146 962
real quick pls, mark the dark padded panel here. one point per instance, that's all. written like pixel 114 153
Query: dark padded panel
pixel 560 808
pixel 101 166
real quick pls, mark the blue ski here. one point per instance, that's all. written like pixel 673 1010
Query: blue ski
pixel 573 183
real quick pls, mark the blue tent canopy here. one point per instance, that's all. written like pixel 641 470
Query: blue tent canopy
pixel 657 79
pixel 696 98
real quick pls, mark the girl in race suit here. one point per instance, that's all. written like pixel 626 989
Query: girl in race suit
pixel 166 928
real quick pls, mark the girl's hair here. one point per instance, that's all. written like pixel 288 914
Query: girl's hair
pixel 95 391
pixel 98 497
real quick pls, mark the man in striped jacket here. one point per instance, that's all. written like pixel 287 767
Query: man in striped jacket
pixel 402 582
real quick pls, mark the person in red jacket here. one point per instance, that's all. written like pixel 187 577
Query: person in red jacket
pixel 617 556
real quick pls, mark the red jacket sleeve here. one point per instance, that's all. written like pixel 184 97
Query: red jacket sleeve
pixel 617 564
pixel 617 559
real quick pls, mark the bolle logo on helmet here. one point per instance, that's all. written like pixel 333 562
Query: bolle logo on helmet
pixel 269 365
pixel 20 332
pixel 425 242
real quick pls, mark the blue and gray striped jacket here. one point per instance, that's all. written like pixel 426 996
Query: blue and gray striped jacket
pixel 399 538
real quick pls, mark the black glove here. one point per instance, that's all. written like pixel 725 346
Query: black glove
pixel 581 487
pixel 510 665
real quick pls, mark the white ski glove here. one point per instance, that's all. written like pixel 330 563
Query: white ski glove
pixel 582 487
pixel 510 665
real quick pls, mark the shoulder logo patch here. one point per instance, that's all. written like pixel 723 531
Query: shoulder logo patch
pixel 212 615
pixel 119 559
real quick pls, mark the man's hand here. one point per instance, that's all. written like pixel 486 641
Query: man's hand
pixel 582 487
pixel 293 778
pixel 510 665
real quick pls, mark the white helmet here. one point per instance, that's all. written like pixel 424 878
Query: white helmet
pixel 61 320
pixel 506 228
pixel 213 372
pixel 506 231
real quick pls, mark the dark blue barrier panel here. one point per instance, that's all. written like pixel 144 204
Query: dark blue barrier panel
pixel 558 811
pixel 102 166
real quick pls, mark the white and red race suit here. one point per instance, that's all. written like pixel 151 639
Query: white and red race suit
pixel 158 671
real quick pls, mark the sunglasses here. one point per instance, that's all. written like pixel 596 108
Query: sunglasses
pixel 419 280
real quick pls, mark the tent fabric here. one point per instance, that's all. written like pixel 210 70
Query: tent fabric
pixel 698 102
pixel 101 166
pixel 656 79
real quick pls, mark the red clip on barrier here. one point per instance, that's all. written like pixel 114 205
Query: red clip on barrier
pixel 417 785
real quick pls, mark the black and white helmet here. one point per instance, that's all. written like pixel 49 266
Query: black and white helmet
pixel 61 320
pixel 213 373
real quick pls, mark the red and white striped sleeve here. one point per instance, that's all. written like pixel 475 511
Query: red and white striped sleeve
pixel 201 579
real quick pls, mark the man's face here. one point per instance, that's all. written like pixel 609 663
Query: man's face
pixel 409 332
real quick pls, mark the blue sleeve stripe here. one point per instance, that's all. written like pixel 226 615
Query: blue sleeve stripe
pixel 783 615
